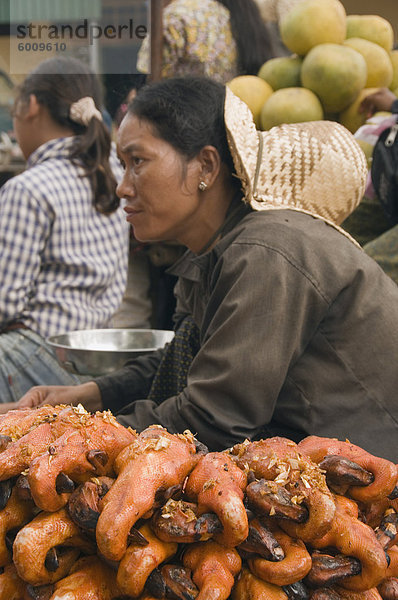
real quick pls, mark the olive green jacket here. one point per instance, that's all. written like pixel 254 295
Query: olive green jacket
pixel 298 336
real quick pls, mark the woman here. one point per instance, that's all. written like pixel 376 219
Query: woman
pixel 298 328
pixel 63 236
pixel 217 38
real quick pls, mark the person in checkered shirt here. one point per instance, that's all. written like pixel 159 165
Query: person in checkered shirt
pixel 63 233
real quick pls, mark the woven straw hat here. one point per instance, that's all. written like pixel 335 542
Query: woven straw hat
pixel 315 167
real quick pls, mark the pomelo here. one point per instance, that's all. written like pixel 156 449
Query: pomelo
pixel 313 22
pixel 253 90
pixel 371 27
pixel 394 62
pixel 377 59
pixel 282 72
pixel 367 149
pixel 350 117
pixel 335 73
pixel 290 105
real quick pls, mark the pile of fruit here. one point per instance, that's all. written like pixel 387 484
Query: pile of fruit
pixel 336 60
pixel 90 510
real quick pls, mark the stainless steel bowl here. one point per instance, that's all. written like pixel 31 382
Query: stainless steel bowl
pixel 103 351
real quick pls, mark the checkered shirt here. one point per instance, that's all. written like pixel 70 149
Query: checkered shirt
pixel 63 265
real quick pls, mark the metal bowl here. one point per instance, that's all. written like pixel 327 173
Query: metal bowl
pixel 103 351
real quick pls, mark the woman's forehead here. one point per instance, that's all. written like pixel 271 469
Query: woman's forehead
pixel 134 132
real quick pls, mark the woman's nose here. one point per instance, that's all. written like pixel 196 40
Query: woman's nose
pixel 126 188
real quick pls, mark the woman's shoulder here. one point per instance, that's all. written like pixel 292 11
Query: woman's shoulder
pixel 188 9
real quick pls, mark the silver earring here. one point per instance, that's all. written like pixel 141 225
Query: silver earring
pixel 202 186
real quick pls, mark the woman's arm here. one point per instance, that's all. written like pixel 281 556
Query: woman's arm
pixel 262 312
pixel 383 99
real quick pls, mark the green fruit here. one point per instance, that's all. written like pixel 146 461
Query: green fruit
pixel 313 22
pixel 335 73
pixel 378 61
pixel 290 105
pixel 253 90
pixel 394 62
pixel 371 27
pixel 282 72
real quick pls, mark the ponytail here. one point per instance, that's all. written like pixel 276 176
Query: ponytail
pixel 58 83
pixel 251 35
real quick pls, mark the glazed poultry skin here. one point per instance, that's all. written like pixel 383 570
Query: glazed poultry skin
pixel 16 423
pixel 250 587
pixel 19 454
pixel 214 569
pixel 279 459
pixel 384 471
pixel 354 538
pixel 139 562
pixel 70 454
pixel 12 587
pixel 89 579
pixel 217 485
pixel 45 532
pixel 16 513
pixel 157 460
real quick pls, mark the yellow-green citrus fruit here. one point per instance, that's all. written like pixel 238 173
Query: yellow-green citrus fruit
pixel 313 22
pixel 290 105
pixel 371 27
pixel 351 117
pixel 253 90
pixel 394 62
pixel 335 73
pixel 282 72
pixel 367 149
pixel 377 59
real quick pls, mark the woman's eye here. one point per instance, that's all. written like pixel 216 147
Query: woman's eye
pixel 137 161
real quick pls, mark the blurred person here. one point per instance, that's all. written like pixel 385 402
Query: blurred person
pixel 216 38
pixel 291 328
pixel 383 248
pixel 63 235
pixel 220 39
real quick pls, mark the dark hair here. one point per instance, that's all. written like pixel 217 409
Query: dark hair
pixel 251 35
pixel 57 83
pixel 186 112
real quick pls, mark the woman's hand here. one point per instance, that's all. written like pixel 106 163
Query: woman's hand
pixel 87 394
pixel 380 100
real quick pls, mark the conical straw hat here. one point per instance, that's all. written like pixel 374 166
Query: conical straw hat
pixel 315 167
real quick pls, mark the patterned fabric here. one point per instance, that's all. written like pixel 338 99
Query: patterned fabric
pixel 197 40
pixel 171 376
pixel 63 265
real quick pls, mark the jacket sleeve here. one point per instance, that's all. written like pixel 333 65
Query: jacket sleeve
pixel 131 382
pixel 261 314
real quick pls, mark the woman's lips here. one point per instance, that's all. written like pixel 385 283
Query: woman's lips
pixel 131 212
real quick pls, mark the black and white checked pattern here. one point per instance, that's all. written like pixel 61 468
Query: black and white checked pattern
pixel 63 265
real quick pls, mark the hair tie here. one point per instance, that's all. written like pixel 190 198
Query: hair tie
pixel 83 111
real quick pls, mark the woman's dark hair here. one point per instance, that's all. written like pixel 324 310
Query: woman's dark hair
pixel 186 112
pixel 251 35
pixel 57 83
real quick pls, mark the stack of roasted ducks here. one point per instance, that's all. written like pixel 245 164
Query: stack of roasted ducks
pixel 90 510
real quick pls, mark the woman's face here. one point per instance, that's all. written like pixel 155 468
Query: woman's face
pixel 159 186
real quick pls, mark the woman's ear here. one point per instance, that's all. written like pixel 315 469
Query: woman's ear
pixel 33 107
pixel 210 164
pixel 27 109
